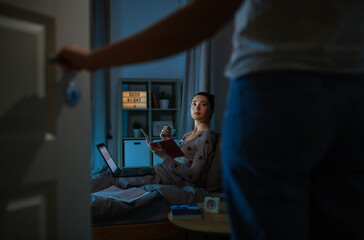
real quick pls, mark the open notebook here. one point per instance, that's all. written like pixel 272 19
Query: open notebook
pixel 126 195
pixel 170 146
pixel 125 171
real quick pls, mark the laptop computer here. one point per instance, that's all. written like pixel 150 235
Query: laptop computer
pixel 125 171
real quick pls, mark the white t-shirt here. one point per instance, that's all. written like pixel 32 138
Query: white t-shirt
pixel 318 35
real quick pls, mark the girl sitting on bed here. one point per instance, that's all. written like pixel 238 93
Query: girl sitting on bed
pixel 189 170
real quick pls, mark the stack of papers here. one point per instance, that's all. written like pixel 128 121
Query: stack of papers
pixel 126 195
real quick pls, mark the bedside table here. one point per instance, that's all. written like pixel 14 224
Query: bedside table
pixel 211 223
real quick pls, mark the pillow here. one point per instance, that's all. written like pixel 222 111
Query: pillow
pixel 214 176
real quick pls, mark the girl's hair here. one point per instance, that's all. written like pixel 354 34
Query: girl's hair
pixel 210 97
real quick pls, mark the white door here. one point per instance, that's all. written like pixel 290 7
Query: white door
pixel 44 143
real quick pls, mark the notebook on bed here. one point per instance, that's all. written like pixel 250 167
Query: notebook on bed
pixel 125 171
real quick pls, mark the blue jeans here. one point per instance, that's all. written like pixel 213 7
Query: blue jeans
pixel 293 156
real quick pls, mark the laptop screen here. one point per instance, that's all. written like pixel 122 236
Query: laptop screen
pixel 106 155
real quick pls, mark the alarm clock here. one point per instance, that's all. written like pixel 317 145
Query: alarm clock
pixel 212 204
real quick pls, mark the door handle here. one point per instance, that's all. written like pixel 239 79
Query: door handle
pixel 72 94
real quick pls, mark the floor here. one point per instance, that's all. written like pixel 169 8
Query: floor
pixel 200 237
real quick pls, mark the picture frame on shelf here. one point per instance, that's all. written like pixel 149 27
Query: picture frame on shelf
pixel 158 125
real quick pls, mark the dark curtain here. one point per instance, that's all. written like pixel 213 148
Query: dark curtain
pixel 198 71
pixel 198 79
pixel 100 106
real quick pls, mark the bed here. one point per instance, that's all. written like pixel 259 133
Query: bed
pixel 147 217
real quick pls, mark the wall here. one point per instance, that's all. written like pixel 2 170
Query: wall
pixel 127 18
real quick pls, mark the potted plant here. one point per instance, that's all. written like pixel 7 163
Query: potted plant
pixel 136 128
pixel 164 99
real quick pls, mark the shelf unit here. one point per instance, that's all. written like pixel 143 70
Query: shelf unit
pixel 137 153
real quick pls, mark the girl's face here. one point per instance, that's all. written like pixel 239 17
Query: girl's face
pixel 200 108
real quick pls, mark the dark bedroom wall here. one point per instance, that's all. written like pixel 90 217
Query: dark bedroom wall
pixel 131 16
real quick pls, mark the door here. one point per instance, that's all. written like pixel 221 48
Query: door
pixel 44 143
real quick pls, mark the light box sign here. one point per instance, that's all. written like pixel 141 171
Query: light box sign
pixel 134 99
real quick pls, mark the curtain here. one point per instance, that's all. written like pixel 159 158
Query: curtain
pixel 100 121
pixel 198 79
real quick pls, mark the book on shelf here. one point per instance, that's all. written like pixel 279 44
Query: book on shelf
pixel 126 195
pixel 154 101
pixel 186 211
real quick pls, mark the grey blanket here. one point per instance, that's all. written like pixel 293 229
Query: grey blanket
pixel 108 206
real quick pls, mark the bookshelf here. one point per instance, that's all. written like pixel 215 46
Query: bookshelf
pixel 139 101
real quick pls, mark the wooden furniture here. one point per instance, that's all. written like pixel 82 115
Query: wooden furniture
pixel 147 114
pixel 142 231
pixel 211 223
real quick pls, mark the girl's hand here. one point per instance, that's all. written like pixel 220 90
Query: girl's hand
pixel 166 133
